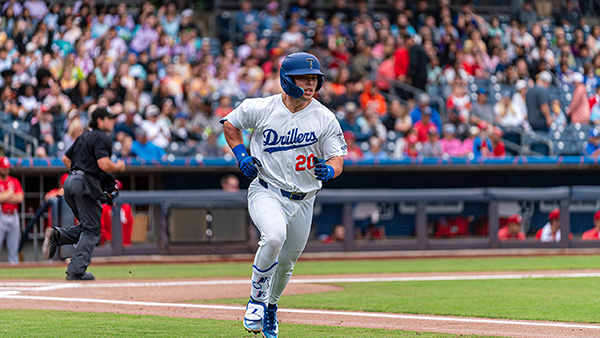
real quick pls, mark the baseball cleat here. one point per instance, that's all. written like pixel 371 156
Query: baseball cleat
pixel 50 244
pixel 80 276
pixel 254 317
pixel 271 328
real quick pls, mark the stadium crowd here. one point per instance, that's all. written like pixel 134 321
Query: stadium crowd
pixel 168 83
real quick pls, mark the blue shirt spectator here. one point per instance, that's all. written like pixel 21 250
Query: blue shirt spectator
pixel 144 149
pixel 592 148
pixel 415 114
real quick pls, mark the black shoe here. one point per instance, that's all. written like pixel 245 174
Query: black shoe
pixel 50 244
pixel 80 276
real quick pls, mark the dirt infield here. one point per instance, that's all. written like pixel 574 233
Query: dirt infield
pixel 172 298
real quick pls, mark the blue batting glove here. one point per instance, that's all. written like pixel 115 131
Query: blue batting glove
pixel 323 172
pixel 246 163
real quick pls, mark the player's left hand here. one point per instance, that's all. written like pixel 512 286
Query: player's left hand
pixel 323 172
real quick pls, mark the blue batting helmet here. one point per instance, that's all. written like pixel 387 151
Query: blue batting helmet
pixel 299 64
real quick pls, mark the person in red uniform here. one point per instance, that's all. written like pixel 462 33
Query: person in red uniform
pixel 512 230
pixel 126 221
pixel 54 193
pixel 592 234
pixel 551 231
pixel 11 195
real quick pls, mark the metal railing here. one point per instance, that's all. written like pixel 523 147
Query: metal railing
pixel 10 135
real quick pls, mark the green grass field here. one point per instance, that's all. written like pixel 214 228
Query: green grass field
pixel 151 271
pixel 553 299
pixel 20 323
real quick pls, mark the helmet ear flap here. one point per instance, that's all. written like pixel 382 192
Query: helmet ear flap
pixel 290 88
pixel 319 82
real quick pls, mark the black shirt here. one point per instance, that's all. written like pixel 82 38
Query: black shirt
pixel 88 149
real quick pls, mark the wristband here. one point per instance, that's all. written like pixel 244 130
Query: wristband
pixel 240 152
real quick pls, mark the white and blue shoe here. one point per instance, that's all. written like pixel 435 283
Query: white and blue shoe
pixel 271 327
pixel 254 317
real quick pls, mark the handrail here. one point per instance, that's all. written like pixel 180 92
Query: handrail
pixel 10 144
pixel 394 84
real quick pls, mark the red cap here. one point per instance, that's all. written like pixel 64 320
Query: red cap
pixel 554 214
pixel 119 185
pixel 349 134
pixel 63 178
pixel 515 218
pixel 597 215
pixel 412 139
pixel 4 162
pixel 482 125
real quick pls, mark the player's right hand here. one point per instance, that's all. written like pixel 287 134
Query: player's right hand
pixel 248 166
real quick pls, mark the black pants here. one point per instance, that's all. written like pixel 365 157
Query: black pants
pixel 81 194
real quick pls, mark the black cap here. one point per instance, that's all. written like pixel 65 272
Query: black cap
pixel 101 113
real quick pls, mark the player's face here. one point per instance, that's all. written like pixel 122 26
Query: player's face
pixel 4 172
pixel 308 83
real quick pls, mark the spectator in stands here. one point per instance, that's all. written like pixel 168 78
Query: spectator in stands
pixel 527 14
pixel 74 130
pixel 376 152
pixel 481 110
pixel 498 147
pixel 371 99
pixel 418 60
pixel 482 145
pixel 411 145
pixel 458 104
pixel 592 149
pixel 156 130
pixel 432 147
pixel 145 149
pixel 423 103
pixel 467 143
pixel 230 183
pixel 354 151
pixel 401 60
pixel 210 147
pixel 551 231
pixel 354 121
pixel 46 132
pixel 451 146
pixel 537 100
pixel 424 125
pixel 398 119
pixel 126 123
pixel 517 116
pixel 569 15
pixel 579 109
pixel 558 115
pixel 512 230
pixel 592 234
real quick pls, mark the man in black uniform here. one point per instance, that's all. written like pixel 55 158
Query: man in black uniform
pixel 89 161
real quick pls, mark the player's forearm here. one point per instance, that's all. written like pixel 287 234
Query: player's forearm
pixel 16 198
pixel 337 163
pixel 233 136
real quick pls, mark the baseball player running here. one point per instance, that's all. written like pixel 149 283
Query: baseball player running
pixel 297 144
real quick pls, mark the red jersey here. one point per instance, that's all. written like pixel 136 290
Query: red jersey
pixel 423 130
pixel 590 235
pixel 13 184
pixel 402 61
pixel 106 223
pixel 503 235
pixel 499 150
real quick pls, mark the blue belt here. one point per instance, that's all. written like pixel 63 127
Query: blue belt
pixel 297 196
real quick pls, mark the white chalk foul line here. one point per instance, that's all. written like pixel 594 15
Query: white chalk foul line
pixel 317 312
pixel 56 286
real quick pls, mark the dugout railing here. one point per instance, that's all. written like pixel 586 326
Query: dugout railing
pixel 206 213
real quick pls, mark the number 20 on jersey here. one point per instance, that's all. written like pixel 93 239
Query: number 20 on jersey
pixel 304 163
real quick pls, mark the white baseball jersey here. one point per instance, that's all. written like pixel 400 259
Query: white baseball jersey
pixel 287 143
